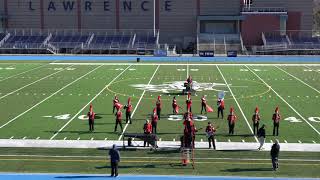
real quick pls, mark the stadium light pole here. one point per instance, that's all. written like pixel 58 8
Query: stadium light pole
pixel 154 18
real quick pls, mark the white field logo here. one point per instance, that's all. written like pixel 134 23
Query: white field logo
pixel 179 86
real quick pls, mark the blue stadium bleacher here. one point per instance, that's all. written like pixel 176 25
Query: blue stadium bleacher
pixel 24 41
pixel 106 42
pixel 276 40
pixel 145 42
pixel 68 41
pixel 2 35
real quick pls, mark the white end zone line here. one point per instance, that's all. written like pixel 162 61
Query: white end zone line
pixel 32 83
pixel 284 101
pixel 23 72
pixel 48 97
pixel 76 115
pixel 298 79
pixel 182 64
pixel 235 99
pixel 125 127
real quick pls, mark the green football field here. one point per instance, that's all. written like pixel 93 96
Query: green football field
pixel 48 101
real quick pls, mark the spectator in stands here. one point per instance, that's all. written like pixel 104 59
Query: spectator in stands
pixel 275 149
pixel 114 159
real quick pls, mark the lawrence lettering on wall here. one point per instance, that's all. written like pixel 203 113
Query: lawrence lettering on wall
pixel 127 5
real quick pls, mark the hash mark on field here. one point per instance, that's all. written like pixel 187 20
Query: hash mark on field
pixel 229 140
pixel 285 101
pixel 37 138
pixel 314 142
pixel 271 141
pixel 285 141
pixel 201 140
pixel 64 138
pixel 243 140
pixel 24 138
pixel 298 79
pixel 173 140
pixel 49 97
pixel 160 139
pixel 105 139
pixel 30 84
pixel 11 137
pixel 76 115
pixel 299 141
pixel 78 138
pixel 92 139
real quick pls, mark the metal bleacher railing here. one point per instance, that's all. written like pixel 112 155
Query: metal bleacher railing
pixel 74 41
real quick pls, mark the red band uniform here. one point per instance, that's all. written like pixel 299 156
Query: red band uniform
pixel 276 117
pixel 147 130
pixel 256 120
pixel 232 118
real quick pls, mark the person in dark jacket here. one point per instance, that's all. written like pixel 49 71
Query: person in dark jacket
pixel 114 159
pixel 261 136
pixel 275 149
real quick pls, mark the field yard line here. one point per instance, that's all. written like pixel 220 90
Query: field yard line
pixel 23 72
pixel 125 127
pixel 32 83
pixel 284 101
pixel 235 99
pixel 311 69
pixel 161 157
pixel 298 79
pixel 55 134
pixel 48 98
pixel 183 64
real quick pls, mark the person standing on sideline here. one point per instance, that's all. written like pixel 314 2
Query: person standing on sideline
pixel 159 106
pixel 128 109
pixel 220 104
pixel 91 115
pixel 211 132
pixel 232 118
pixel 276 117
pixel 203 104
pixel 275 149
pixel 262 136
pixel 115 101
pixel 114 159
pixel 255 120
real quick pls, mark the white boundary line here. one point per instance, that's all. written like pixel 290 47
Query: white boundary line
pixel 76 115
pixel 23 72
pixel 160 157
pixel 284 101
pixel 32 83
pixel 235 99
pixel 298 79
pixel 48 98
pixel 183 64
pixel 125 127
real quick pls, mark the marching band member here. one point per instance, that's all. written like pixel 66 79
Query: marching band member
pixel 276 117
pixel 91 116
pixel 128 109
pixel 154 121
pixel 189 103
pixel 203 104
pixel 255 120
pixel 211 132
pixel 118 120
pixel 232 118
pixel 147 130
pixel 158 105
pixel 115 101
pixel 220 104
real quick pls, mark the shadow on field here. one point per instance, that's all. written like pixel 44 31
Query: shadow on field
pixel 236 135
pixel 82 132
pixel 81 177
pixel 246 169
pixel 127 167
